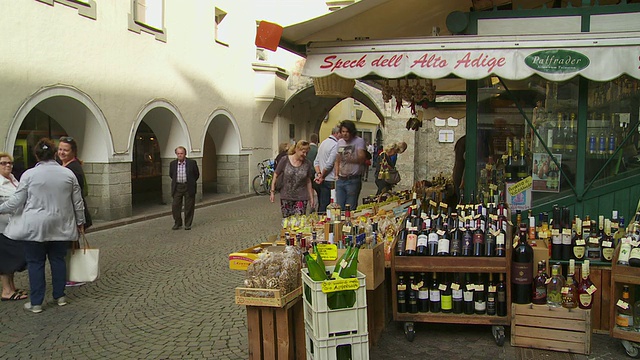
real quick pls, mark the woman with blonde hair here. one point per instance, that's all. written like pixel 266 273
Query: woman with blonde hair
pixel 11 252
pixel 296 172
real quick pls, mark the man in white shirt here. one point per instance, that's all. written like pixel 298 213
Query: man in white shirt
pixel 349 165
pixel 324 163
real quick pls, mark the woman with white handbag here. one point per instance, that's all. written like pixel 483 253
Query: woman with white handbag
pixel 52 216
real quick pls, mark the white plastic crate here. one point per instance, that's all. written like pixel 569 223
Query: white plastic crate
pixel 356 345
pixel 325 323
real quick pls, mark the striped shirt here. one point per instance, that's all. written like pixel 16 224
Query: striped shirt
pixel 181 174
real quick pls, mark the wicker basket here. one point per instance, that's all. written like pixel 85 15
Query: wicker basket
pixel 333 86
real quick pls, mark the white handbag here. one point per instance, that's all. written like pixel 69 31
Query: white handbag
pixel 83 264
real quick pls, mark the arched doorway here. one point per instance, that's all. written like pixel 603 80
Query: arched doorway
pixel 146 168
pixel 225 168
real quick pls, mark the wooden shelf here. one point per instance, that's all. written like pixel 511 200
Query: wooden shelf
pixel 625 335
pixel 449 318
pixel 621 274
pixel 450 264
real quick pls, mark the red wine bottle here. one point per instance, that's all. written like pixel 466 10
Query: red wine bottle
pixel 457 294
pixel 435 305
pixel 556 234
pixel 522 269
pixel 467 294
pixel 423 293
pixel 501 287
pixel 401 294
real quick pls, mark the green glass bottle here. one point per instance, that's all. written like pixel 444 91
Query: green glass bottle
pixel 318 257
pixel 316 273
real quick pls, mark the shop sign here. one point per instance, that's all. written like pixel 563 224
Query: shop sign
pixel 557 61
pixel 560 64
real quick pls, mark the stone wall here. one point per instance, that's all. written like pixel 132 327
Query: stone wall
pixel 233 174
pixel 109 187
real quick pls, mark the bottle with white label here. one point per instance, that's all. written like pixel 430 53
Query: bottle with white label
pixel 624 311
pixel 480 296
pixel 606 243
pixel 457 294
pixel 423 293
pixel 467 294
pixel 625 251
pixel 554 287
pixel 579 244
pixel 435 305
pixel 585 288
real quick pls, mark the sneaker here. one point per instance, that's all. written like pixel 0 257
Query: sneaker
pixel 73 283
pixel 33 308
pixel 62 301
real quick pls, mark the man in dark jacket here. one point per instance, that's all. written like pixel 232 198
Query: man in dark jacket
pixel 184 174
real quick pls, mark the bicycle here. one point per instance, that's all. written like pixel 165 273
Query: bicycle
pixel 262 182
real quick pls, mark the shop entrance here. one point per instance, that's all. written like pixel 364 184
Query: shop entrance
pixel 146 168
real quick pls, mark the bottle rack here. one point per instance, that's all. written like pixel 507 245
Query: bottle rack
pixel 453 264
pixel 623 274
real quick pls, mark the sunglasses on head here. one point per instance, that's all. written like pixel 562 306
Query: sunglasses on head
pixel 66 138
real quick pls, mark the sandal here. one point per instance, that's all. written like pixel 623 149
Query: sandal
pixel 23 291
pixel 15 296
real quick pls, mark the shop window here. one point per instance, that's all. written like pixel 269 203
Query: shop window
pixel 612 130
pixel 148 16
pixel 219 30
pixel 86 8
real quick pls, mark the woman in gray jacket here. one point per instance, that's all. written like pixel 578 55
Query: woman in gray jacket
pixel 52 216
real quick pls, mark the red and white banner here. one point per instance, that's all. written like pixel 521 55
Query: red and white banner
pixel 556 64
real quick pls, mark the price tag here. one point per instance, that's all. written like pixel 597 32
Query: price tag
pixel 440 232
pixel 546 282
pixel 555 232
pixel 493 187
pixel 442 287
pixel 566 231
pixel 480 287
pixel 433 203
pixel 402 287
pixel 471 287
pixel 444 205
pixel 635 243
pixel 565 290
pixel 543 235
pixel 424 216
pixel 327 251
pixel 622 304
pixel 420 284
pixel 593 240
pixel 516 239
pixel 580 242
pixel 340 285
pixel 505 157
pixel 492 288
pixel 346 229
pixel 591 289
pixel 607 244
pixel 415 287
pixel 344 263
pixel 455 286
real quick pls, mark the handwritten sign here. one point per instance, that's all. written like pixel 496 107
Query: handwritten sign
pixel 340 285
pixel 327 251
pixel 520 186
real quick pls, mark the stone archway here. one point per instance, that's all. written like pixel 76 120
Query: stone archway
pixel 225 169
pixel 58 110
pixel 169 131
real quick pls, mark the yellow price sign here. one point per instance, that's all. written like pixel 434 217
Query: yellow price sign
pixel 328 251
pixel 520 186
pixel 340 285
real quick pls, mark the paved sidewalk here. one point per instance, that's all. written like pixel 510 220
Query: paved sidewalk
pixel 166 294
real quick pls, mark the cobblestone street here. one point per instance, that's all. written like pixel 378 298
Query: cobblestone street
pixel 166 294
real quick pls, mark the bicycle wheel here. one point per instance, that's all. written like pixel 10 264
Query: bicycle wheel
pixel 259 185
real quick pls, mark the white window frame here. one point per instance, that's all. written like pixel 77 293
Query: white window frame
pixel 86 8
pixel 138 26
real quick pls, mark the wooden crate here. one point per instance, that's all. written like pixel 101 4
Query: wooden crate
pixel 265 297
pixel 376 319
pixel 276 333
pixel 558 329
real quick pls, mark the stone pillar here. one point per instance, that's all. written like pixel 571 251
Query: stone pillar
pixel 166 180
pixel 109 186
pixel 233 174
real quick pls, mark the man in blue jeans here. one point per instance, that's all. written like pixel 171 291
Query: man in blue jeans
pixel 349 165
pixel 325 174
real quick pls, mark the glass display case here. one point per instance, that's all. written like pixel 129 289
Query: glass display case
pixel 570 137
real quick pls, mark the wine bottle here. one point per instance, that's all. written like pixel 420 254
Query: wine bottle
pixel 602 138
pixel 333 209
pixel 478 238
pixel 606 243
pixel 444 239
pixel 558 139
pixel 492 296
pixel 402 239
pixel 624 311
pixel 554 287
pixel 423 294
pixel 501 236
pixel 423 240
pixel 593 245
pixel 435 305
pixel 522 167
pixel 412 295
pixel 570 142
pixel 556 234
pixel 567 233
pixel 480 296
pixel 457 294
pixel 501 289
pixel 522 269
pixel 467 239
pixel 490 239
pixel 612 141
pixel 579 245
pixel 446 298
pixel 625 251
pixel 540 285
pixel 509 169
pixel 467 295
pixel 318 257
pixel 316 273
pixel 570 290
pixel 412 238
pixel 456 235
pixel 401 294
pixel 585 288
pixel 432 240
